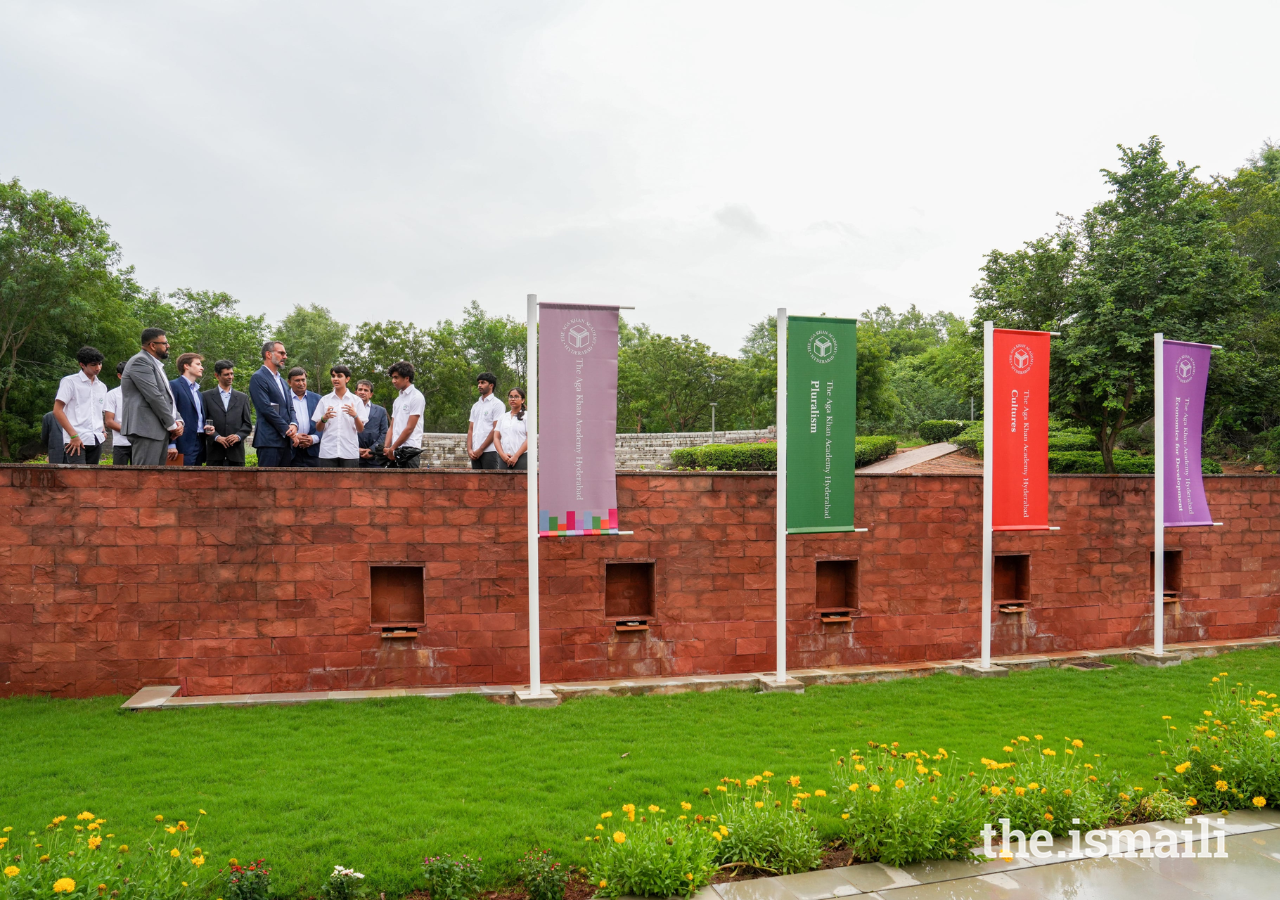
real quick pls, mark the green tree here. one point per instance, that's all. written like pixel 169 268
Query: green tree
pixel 314 340
pixel 204 322
pixel 668 384
pixel 442 372
pixel 1153 257
pixel 59 289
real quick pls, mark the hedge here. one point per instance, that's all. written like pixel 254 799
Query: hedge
pixel 937 430
pixel 763 457
pixel 1080 462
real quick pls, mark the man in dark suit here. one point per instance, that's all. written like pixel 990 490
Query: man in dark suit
pixel 306 449
pixel 375 430
pixel 186 394
pixel 226 416
pixel 277 429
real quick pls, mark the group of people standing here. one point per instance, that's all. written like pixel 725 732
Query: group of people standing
pixel 156 420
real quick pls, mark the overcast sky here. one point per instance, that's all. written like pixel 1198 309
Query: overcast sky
pixel 705 162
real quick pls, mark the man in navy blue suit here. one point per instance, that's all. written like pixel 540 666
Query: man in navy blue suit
pixel 306 449
pixel 186 395
pixel 276 433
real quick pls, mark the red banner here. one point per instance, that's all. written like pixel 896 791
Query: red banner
pixel 1020 430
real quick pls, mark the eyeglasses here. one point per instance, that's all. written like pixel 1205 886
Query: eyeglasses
pixel 160 343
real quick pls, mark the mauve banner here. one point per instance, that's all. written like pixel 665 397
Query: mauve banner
pixel 1186 374
pixel 577 419
pixel 1019 430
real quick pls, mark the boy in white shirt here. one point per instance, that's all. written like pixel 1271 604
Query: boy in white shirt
pixel 340 416
pixel 78 409
pixel 404 431
pixel 484 413
pixel 121 451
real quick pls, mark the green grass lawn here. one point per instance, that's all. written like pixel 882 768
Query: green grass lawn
pixel 377 784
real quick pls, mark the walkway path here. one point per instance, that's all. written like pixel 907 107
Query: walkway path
pixel 1250 871
pixel 908 458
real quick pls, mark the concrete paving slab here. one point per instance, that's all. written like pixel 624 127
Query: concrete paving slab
pixel 996 886
pixel 754 889
pixel 821 885
pixel 875 876
pixel 908 458
pixel 935 870
pixel 152 697
pixel 1101 879
pixel 1251 870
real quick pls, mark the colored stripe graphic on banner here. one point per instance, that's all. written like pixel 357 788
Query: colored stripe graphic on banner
pixel 577 420
pixel 1186 375
pixel 822 422
pixel 1020 430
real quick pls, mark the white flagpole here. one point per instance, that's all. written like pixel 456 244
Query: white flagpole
pixel 531 418
pixel 988 404
pixel 781 583
pixel 1158 564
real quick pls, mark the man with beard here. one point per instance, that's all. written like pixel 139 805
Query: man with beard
pixel 149 414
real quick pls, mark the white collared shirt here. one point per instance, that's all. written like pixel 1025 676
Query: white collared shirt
pixel 83 400
pixel 340 440
pixel 484 412
pixel 514 432
pixel 409 403
pixel 226 397
pixel 194 388
pixel 300 412
pixel 115 405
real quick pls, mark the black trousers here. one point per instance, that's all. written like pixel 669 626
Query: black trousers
pixel 489 459
pixel 338 462
pixel 121 454
pixel 218 455
pixel 88 456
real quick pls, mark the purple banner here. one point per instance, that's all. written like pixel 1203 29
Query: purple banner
pixel 1186 374
pixel 577 419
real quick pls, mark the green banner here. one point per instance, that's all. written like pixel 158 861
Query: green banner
pixel 822 422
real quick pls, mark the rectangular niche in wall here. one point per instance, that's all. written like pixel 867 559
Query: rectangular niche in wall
pixel 395 595
pixel 628 590
pixel 1011 579
pixel 837 586
pixel 1172 573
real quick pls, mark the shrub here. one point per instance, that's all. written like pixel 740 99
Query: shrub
pixel 937 430
pixel 657 856
pixel 970 438
pixel 543 877
pixel 764 829
pixel 344 884
pixel 453 879
pixel 251 882
pixel 1072 441
pixel 763 457
pixel 1079 462
pixel 80 860
pixel 1227 759
pixel 901 808
pixel 1047 788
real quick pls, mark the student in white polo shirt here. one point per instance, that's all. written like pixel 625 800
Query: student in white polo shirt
pixel 404 431
pixel 340 416
pixel 121 452
pixel 78 409
pixel 484 413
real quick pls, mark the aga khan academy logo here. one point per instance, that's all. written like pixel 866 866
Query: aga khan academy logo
pixel 578 337
pixel 1021 359
pixel 822 346
pixel 1184 369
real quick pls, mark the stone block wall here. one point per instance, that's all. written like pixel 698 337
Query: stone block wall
pixel 228 581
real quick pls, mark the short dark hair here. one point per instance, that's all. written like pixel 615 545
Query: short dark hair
pixel 403 369
pixel 185 360
pixel 88 356
pixel 120 367
pixel 296 371
pixel 339 370
pixel 222 365
pixel 489 377
pixel 269 346
pixel 365 381
pixel 150 334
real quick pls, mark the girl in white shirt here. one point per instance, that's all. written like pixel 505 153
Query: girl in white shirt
pixel 511 433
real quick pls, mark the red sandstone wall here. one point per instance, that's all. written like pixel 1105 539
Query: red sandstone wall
pixel 249 581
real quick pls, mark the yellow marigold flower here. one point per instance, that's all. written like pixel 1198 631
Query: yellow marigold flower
pixel 1066 792
pixel 1048 817
pixel 689 875
pixel 1220 785
pixel 159 818
pixel 1259 802
pixel 599 827
pixel 1020 791
pixel 721 787
pixel 922 770
pixel 606 815
pixel 182 826
pixel 653 808
pixel 1191 801
pixel 95 827
pixel 1033 786
pixel 1077 743
pixel 175 852
pixel 45 858
pixel 172 829
pixel 875 788
pixel 1048 752
pixel 794 781
pixel 859 768
pixel 11 871
pixel 197 861
pixel 1007 749
pixel 123 848
pixel 85 816
pixel 1166 718
pixel 78 827
pixel 1039 737
pixel 686 806
pixel 899 784
pixel 844 815
pixel 819 793
pixel 619 837
pixel 8 828
pixel 95 843
pixel 853 787
pixel 604 882
pixel 1269 733
pixel 1180 768
pixel 1124 796
pixel 724 829
pixel 1215 679
pixel 768 774
pixel 759 804
pixel 716 835
pixel 64 886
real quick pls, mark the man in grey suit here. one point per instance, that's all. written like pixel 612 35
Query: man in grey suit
pixel 149 415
